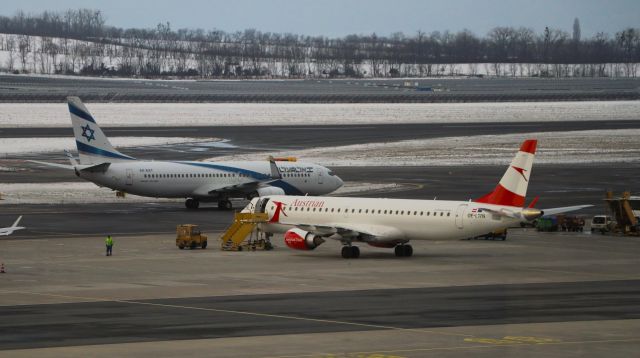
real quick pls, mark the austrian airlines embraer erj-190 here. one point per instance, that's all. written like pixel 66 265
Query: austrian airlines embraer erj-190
pixel 102 164
pixel 391 223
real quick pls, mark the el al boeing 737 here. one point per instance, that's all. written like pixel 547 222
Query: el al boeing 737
pixel 391 223
pixel 100 163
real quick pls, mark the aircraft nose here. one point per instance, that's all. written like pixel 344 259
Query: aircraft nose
pixel 339 182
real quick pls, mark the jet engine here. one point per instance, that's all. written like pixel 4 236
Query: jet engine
pixel 268 190
pixel 299 239
pixel 530 214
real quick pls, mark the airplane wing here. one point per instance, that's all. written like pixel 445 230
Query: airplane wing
pixel 565 209
pixel 241 189
pixel 5 231
pixel 353 230
pixel 72 160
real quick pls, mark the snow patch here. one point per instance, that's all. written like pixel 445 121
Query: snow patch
pixel 29 115
pixel 591 146
pixel 58 144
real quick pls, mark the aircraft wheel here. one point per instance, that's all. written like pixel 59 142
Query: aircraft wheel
pixel 355 252
pixel 225 205
pixel 346 252
pixel 404 250
pixel 408 250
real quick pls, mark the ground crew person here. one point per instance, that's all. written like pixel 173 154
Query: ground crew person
pixel 109 242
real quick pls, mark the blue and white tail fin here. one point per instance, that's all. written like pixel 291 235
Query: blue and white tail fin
pixel 93 145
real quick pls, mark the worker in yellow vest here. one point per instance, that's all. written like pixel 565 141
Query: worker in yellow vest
pixel 109 242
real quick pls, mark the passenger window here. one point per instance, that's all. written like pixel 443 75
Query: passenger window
pixel 338 209
pixel 421 213
pixel 359 211
pixel 402 212
pixel 331 209
pixel 448 214
pixel 441 213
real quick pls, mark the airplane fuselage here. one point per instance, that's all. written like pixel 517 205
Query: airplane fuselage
pixel 183 179
pixel 395 220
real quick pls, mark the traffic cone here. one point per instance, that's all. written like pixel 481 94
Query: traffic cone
pixel 2 267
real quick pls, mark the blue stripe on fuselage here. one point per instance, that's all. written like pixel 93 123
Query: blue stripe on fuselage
pixel 279 183
pixel 82 147
pixel 80 113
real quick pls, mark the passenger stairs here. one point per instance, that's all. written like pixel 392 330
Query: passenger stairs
pixel 244 226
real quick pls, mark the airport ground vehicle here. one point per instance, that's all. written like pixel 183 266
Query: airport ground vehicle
pixel 602 223
pixel 189 235
pixel 547 223
pixel 570 223
pixel 499 234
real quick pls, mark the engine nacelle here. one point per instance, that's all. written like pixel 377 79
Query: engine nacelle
pixel 268 190
pixel 530 214
pixel 299 239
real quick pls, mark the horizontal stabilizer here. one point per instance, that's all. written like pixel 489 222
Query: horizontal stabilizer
pixel 57 165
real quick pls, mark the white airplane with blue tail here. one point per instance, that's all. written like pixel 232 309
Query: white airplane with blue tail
pixel 100 163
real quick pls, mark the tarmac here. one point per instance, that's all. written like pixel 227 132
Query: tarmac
pixel 535 294
pixel 562 294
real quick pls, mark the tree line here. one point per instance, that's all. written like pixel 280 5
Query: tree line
pixel 80 42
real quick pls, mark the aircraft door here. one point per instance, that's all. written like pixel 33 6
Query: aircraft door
pixel 129 180
pixel 261 205
pixel 320 178
pixel 460 215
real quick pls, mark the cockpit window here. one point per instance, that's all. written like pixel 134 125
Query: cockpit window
pixel 331 173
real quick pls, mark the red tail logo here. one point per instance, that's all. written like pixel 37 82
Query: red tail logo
pixel 279 209
pixel 521 171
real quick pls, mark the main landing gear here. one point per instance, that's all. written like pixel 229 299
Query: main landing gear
pixel 404 250
pixel 225 204
pixel 350 252
pixel 192 203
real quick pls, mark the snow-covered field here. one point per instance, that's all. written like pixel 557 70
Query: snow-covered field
pixel 10 146
pixel 26 115
pixel 553 147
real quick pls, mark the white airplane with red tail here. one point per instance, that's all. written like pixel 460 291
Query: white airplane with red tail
pixel 307 221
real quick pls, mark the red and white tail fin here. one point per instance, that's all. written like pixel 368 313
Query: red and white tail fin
pixel 512 188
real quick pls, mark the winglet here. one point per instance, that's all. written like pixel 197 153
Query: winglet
pixel 73 160
pixel 275 171
pixel 15 224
